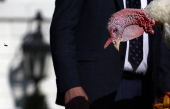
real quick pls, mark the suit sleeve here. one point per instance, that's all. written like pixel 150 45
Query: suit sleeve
pixel 62 35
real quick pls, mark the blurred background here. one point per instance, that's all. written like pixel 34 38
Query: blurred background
pixel 27 78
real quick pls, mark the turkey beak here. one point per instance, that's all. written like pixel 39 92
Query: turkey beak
pixel 116 44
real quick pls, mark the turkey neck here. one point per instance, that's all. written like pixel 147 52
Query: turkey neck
pixel 136 17
pixel 133 16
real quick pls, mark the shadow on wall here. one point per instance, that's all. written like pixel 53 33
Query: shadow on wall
pixel 25 77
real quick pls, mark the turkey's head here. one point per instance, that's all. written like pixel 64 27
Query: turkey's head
pixel 128 24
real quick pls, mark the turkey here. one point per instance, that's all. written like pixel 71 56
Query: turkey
pixel 129 23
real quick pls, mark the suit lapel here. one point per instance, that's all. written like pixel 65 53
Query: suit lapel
pixel 150 54
pixel 123 48
pixel 120 3
pixel 149 1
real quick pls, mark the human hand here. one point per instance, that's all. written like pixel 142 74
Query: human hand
pixel 76 98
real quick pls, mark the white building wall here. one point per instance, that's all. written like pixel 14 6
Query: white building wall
pixel 12 33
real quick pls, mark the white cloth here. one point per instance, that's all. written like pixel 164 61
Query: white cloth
pixel 143 65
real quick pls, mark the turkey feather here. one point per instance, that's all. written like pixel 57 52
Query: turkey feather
pixel 159 10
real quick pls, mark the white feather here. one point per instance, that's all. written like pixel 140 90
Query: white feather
pixel 166 35
pixel 159 10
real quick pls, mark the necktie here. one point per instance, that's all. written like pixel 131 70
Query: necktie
pixel 135 45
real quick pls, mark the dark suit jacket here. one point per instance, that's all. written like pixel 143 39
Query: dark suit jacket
pixel 77 37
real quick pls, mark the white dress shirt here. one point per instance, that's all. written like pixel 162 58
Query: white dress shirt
pixel 143 65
